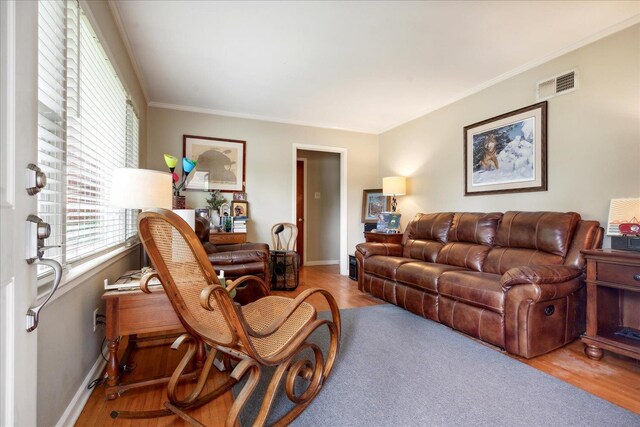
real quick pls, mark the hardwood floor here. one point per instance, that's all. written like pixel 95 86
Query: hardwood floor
pixel 614 378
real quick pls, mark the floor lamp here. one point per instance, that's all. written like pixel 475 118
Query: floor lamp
pixel 141 189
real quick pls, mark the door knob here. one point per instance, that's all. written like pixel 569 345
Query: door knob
pixel 300 219
pixel 36 179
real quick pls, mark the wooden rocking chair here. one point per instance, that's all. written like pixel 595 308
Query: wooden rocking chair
pixel 268 332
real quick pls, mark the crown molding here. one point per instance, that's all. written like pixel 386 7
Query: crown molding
pixel 256 117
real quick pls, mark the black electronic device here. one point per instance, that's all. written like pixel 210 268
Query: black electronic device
pixel 353 268
pixel 369 226
pixel 625 243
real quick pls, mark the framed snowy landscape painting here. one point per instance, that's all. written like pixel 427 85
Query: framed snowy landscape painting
pixel 507 153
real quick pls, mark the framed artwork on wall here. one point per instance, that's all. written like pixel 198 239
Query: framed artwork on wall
pixel 221 163
pixel 373 204
pixel 507 153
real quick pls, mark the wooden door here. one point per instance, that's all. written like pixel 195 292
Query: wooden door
pixel 300 208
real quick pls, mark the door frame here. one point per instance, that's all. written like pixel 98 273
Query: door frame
pixel 304 207
pixel 344 265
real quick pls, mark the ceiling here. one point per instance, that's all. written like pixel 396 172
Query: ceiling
pixel 363 65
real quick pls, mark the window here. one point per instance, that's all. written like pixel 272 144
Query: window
pixel 86 128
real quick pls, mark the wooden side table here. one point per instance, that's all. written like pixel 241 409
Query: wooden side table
pixel 222 238
pixel 370 236
pixel 132 313
pixel 613 302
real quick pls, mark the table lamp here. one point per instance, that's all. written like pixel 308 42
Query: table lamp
pixel 141 189
pixel 394 186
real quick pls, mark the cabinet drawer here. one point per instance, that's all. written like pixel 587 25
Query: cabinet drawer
pixel 616 273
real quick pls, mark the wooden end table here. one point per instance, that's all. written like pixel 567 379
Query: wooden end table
pixel 613 302
pixel 224 238
pixel 371 236
pixel 132 313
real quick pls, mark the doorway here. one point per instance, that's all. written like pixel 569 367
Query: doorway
pixel 319 204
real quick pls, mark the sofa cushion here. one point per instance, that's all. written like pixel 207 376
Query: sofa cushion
pixel 384 266
pixel 432 226
pixel 466 255
pixel 500 260
pixel 473 227
pixel 422 250
pixel 473 288
pixel 423 275
pixel 545 231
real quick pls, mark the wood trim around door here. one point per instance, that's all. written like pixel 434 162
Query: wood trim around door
pixel 301 175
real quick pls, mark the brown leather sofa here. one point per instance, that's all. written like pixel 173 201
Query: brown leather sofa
pixel 235 259
pixel 514 280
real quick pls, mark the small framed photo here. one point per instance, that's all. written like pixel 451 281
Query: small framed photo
pixel 239 196
pixel 203 212
pixel 507 153
pixel 373 204
pixel 239 208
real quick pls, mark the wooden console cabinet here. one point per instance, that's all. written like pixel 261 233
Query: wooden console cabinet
pixel 370 236
pixel 613 302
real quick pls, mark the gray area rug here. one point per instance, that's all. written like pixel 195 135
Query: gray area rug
pixel 398 369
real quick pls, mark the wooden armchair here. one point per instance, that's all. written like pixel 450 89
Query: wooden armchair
pixel 268 332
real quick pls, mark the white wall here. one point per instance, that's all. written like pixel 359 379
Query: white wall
pixel 593 138
pixel 269 162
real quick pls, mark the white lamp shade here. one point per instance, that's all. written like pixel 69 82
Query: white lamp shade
pixel 188 215
pixel 394 185
pixel 141 189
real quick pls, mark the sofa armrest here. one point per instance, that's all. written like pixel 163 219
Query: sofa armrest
pixel 538 275
pixel 243 247
pixel 237 257
pixel 387 249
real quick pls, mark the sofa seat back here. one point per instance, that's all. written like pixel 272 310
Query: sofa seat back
pixel 426 235
pixel 531 238
pixel 469 239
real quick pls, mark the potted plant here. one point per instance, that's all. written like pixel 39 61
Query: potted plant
pixel 215 200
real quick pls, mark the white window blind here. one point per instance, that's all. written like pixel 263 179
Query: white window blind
pixel 87 129
pixel 52 91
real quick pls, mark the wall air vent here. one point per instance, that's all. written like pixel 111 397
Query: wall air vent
pixel 557 85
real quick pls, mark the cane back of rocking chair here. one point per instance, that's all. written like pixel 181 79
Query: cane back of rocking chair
pixel 185 271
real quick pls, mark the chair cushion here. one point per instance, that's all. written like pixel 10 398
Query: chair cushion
pixel 260 314
pixel 384 266
pixel 423 275
pixel 468 255
pixel 473 288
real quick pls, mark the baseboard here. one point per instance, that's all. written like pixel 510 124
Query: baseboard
pixel 325 262
pixel 74 409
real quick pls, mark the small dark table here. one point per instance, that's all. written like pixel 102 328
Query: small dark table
pixel 613 302
pixel 284 267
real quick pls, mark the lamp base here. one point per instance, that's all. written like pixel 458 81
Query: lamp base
pixel 179 202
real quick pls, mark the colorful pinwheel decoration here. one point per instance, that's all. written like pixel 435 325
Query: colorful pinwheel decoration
pixel 187 166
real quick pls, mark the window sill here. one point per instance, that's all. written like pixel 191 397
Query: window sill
pixel 78 274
